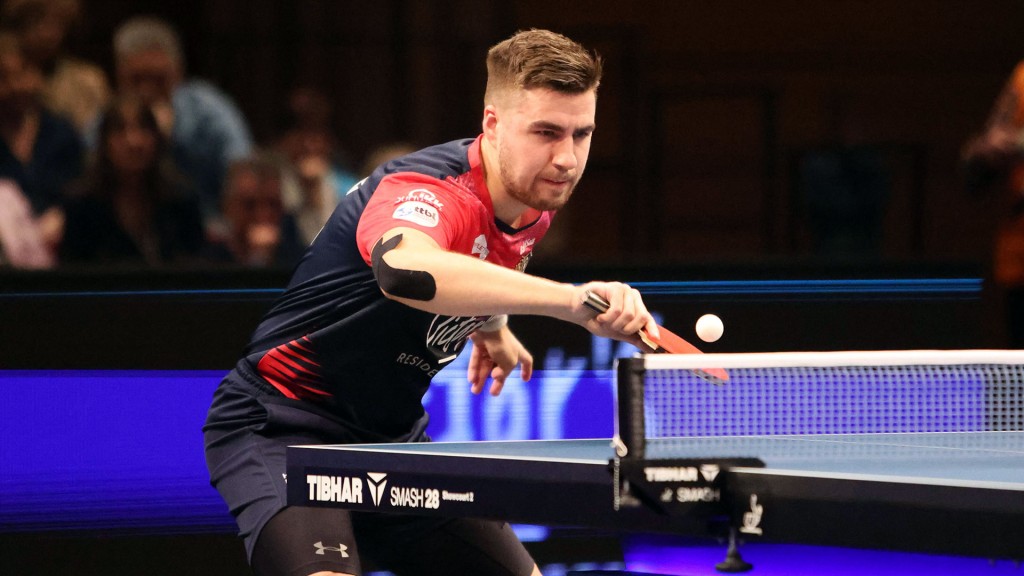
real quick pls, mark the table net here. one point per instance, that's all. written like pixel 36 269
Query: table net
pixel 772 394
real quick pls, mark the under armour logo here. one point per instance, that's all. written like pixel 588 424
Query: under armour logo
pixel 341 549
pixel 378 480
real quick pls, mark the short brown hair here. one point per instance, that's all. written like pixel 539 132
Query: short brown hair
pixel 541 59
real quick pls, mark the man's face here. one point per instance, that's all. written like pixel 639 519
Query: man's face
pixel 253 199
pixel 150 75
pixel 44 36
pixel 543 141
pixel 20 85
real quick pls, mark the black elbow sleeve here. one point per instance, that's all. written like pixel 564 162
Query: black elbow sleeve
pixel 411 284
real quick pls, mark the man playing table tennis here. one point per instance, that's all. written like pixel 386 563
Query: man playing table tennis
pixel 424 254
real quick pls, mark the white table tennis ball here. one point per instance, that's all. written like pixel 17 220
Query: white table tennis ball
pixel 710 327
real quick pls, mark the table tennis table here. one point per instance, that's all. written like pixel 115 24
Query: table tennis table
pixel 904 450
pixel 946 492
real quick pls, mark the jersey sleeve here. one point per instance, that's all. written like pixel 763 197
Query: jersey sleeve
pixel 439 209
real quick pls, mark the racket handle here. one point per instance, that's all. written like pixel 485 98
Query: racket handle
pixel 595 302
pixel 600 305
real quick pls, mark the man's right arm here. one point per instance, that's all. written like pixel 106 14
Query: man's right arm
pixel 461 285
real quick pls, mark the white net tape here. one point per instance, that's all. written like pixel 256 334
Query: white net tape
pixel 835 393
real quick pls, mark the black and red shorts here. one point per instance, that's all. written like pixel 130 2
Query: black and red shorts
pixel 248 428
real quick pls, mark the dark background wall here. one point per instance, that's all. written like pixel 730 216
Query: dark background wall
pixel 707 112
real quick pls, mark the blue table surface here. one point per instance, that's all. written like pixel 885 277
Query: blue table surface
pixel 978 459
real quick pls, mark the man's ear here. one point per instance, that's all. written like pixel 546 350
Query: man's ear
pixel 490 122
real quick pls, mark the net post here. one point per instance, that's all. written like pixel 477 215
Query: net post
pixel 629 425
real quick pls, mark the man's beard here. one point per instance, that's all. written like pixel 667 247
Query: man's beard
pixel 524 195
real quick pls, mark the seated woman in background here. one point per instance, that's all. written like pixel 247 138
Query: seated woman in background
pixel 131 208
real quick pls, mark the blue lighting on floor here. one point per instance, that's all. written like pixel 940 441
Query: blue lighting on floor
pixel 113 450
pixel 664 555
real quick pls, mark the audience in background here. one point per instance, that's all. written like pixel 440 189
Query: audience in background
pixel 173 179
pixel 322 174
pixel 994 163
pixel 21 240
pixel 206 129
pixel 132 208
pixel 258 232
pixel 74 88
pixel 39 151
pixel 385 153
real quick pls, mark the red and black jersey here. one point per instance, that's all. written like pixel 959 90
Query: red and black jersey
pixel 334 340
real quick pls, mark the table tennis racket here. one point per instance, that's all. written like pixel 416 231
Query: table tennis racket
pixel 668 342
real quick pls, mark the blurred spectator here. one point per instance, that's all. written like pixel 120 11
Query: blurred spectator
pixel 994 163
pixel 258 231
pixel 323 176
pixel 132 208
pixel 206 129
pixel 39 151
pixel 74 88
pixel 21 241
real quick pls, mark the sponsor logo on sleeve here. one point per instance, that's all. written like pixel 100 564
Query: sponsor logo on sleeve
pixel 480 247
pixel 417 212
pixel 421 195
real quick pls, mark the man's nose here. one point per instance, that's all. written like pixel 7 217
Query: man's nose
pixel 564 156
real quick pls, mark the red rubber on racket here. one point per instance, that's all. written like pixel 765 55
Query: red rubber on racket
pixel 669 342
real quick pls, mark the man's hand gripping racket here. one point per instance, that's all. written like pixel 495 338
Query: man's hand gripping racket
pixel 667 342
